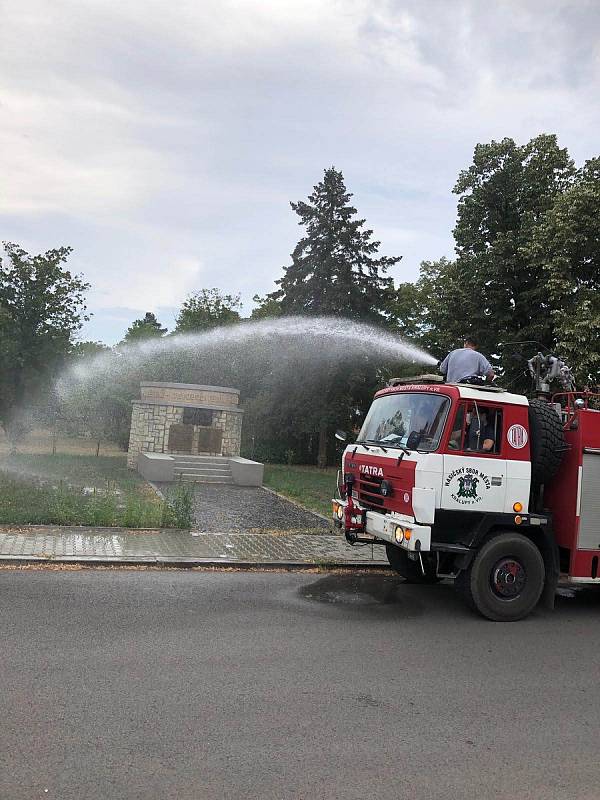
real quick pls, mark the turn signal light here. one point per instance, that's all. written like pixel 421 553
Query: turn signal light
pixel 407 535
pixel 518 507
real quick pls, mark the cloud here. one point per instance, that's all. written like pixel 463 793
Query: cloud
pixel 164 141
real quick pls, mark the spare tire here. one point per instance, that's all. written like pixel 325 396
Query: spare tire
pixel 547 441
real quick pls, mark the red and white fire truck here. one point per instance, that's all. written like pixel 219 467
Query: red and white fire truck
pixel 474 483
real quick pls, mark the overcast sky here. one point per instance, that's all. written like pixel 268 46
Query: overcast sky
pixel 164 140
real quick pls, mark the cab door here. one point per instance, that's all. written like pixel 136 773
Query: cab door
pixel 475 477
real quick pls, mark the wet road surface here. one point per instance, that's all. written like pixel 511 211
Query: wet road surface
pixel 146 684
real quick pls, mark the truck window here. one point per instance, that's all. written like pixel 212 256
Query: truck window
pixel 395 419
pixel 477 428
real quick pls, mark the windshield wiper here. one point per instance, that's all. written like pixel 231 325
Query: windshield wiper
pixel 388 445
pixel 377 443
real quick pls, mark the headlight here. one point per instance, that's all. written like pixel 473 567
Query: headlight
pixel 399 534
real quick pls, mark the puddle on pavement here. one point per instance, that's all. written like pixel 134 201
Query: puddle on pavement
pixel 363 591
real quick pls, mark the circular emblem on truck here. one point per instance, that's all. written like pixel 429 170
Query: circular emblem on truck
pixel 517 436
pixel 468 485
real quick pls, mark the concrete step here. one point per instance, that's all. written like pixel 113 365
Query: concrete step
pixel 218 463
pixel 197 473
pixel 199 479
pixel 205 467
pixel 199 457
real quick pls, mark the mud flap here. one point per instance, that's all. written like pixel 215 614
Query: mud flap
pixel 552 566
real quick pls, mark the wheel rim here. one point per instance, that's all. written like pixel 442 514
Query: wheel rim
pixel 508 578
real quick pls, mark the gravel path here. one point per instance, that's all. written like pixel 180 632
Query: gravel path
pixel 241 508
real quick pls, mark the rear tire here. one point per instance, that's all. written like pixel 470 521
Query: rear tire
pixel 505 579
pixel 411 570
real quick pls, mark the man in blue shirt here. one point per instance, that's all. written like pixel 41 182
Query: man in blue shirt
pixel 464 362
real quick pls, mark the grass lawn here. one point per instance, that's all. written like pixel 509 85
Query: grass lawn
pixel 307 485
pixel 82 489
pixel 77 470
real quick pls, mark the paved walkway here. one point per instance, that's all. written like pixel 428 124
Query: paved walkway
pixel 47 543
pixel 239 509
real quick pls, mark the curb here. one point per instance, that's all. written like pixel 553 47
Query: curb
pixel 178 561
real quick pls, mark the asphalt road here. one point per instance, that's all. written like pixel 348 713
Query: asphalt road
pixel 251 685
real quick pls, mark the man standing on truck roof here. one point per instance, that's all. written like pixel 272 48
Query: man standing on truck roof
pixel 464 362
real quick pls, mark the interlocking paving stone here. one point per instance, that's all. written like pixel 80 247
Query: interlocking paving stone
pixel 89 544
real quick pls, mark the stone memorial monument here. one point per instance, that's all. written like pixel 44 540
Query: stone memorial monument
pixel 188 431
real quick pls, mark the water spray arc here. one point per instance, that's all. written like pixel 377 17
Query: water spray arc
pixel 327 338
pixel 290 368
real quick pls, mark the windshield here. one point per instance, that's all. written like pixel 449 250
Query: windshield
pixel 408 419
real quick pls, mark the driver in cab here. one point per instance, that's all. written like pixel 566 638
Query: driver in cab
pixel 480 435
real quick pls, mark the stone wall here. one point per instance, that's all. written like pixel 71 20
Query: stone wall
pixel 151 420
pixel 150 425
pixel 231 425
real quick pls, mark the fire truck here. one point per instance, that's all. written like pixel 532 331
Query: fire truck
pixel 470 482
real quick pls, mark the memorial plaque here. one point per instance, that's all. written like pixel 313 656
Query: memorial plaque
pixel 209 440
pixel 181 438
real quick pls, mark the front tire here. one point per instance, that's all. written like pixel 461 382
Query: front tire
pixel 411 570
pixel 505 579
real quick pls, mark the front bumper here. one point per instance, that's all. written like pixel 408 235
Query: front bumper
pixel 397 529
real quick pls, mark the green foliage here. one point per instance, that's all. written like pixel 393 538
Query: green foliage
pixel 311 487
pixel 266 308
pixel 565 254
pixel 208 309
pixel 177 510
pixel 492 289
pixel 80 351
pixel 334 268
pixel 146 328
pixel 99 409
pixel 27 502
pixel 41 309
pixel 85 490
pixel 502 197
pixel 335 271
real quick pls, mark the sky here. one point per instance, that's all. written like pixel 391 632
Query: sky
pixel 165 141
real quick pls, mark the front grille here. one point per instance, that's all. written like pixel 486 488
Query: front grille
pixel 369 492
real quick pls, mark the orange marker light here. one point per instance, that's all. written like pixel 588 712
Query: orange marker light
pixel 407 535
pixel 518 507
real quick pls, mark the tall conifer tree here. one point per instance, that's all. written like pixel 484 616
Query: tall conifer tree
pixel 335 269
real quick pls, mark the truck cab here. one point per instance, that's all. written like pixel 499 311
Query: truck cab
pixel 461 481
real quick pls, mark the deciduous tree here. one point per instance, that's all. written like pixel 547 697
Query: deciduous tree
pixel 206 309
pixel 42 306
pixel 146 328
pixel 565 255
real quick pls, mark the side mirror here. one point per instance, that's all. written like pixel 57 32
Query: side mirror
pixel 414 440
pixel 341 436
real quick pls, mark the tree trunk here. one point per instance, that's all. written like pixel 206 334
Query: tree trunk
pixel 322 456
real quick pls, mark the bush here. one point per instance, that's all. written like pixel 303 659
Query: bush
pixel 178 508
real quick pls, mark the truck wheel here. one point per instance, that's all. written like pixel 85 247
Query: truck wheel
pixel 411 570
pixel 547 441
pixel 505 579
